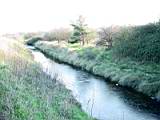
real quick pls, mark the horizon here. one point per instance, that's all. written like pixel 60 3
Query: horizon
pixel 45 15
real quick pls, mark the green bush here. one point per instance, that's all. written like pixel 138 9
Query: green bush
pixel 88 53
pixel 75 37
pixel 139 43
pixel 33 40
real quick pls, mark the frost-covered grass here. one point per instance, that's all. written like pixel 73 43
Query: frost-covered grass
pixel 144 78
pixel 27 93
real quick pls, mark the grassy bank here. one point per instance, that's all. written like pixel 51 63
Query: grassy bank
pixel 27 93
pixel 143 78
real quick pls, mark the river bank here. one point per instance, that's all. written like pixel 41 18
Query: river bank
pixel 99 98
pixel 143 78
pixel 26 92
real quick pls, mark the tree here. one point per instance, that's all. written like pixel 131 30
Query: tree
pixel 91 35
pixel 29 35
pixel 79 31
pixel 107 35
pixel 61 34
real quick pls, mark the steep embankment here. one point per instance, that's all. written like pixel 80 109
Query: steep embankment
pixel 143 78
pixel 27 93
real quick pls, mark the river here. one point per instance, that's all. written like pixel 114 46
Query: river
pixel 100 99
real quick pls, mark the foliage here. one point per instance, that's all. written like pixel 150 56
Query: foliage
pixel 91 35
pixel 79 31
pixel 49 36
pixel 33 40
pixel 141 77
pixel 106 36
pixel 29 35
pixel 62 34
pixel 88 53
pixel 27 93
pixel 139 43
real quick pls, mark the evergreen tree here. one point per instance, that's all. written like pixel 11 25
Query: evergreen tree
pixel 79 31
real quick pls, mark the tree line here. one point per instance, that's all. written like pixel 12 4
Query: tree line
pixel 140 43
pixel 81 33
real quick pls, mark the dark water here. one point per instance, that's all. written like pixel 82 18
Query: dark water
pixel 98 98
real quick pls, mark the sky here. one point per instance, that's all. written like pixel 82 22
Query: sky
pixel 44 15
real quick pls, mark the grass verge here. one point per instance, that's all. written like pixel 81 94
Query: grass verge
pixel 27 93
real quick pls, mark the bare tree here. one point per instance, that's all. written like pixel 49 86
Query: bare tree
pixel 106 36
pixel 61 34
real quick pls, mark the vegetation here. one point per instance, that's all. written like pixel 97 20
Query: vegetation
pixel 29 35
pixel 79 31
pixel 91 36
pixel 132 59
pixel 33 40
pixel 99 61
pixel 62 34
pixel 140 43
pixel 27 93
pixel 106 36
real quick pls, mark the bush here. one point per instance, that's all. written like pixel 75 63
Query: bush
pixel 139 43
pixel 61 34
pixel 29 35
pixel 49 36
pixel 75 37
pixel 33 40
pixel 88 53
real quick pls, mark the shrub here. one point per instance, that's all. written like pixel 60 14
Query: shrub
pixel 139 43
pixel 29 35
pixel 88 53
pixel 106 36
pixel 33 40
pixel 61 34
pixel 49 36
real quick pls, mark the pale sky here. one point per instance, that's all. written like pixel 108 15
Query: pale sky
pixel 35 15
